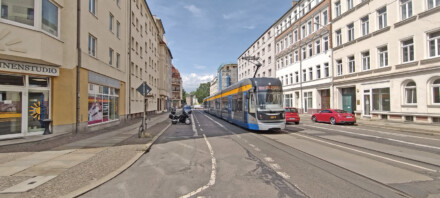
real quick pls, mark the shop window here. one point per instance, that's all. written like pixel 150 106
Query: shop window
pixel 409 118
pixel 103 104
pixel 11 80
pixel 381 99
pixel 436 120
pixel 10 112
pixel 38 106
pixel 38 82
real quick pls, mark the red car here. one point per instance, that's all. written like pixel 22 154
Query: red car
pixel 334 116
pixel 292 115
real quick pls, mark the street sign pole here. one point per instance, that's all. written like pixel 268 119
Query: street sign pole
pixel 144 116
pixel 144 89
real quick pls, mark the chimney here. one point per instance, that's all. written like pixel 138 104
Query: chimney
pixel 294 2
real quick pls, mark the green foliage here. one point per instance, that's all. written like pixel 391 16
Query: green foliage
pixel 184 94
pixel 202 92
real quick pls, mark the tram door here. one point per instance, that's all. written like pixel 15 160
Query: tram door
pixel 246 104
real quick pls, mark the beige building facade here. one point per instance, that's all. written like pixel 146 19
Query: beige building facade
pixel 213 89
pixel 177 90
pixel 69 64
pixel 387 59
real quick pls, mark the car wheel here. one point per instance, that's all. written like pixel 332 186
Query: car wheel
pixel 314 119
pixel 332 121
pixel 296 123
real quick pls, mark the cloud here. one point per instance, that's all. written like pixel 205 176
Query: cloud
pixel 199 66
pixel 192 81
pixel 194 10
pixel 233 15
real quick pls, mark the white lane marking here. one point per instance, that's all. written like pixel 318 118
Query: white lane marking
pixel 194 126
pixel 257 149
pixel 201 129
pixel 366 153
pixel 275 166
pixel 388 133
pixel 378 137
pixel 285 176
pixel 213 172
pixel 238 136
pixel 268 159
pixel 253 146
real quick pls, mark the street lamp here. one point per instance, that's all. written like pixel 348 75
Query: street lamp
pixel 255 60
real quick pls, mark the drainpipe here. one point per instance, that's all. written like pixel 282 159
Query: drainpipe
pixel 129 60
pixel 78 68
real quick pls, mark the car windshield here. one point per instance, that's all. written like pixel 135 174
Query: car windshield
pixel 340 111
pixel 271 101
pixel 291 110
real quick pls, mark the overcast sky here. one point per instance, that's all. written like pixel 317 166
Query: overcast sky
pixel 203 34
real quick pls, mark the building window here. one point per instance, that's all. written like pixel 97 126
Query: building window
pixel 92 6
pixel 351 65
pixel 382 17
pixel 25 13
pixel 406 9
pixel 297 77
pixel 270 72
pixel 308 101
pixel 318 71
pixel 296 56
pixel 433 3
pixel 325 40
pixel 411 92
pixel 350 32
pixel 325 17
pixel 303 31
pixel 317 23
pixel 110 55
pixel 310 73
pixel 434 44
pixel 366 61
pixel 291 78
pixel 383 56
pixel 103 104
pixel 349 4
pixel 408 50
pixel 436 92
pixel 317 46
pixel 92 46
pixel 381 99
pixel 118 57
pixel 110 21
pixel 304 75
pixel 290 58
pixel 49 21
pixel 339 67
pixel 304 53
pixel 365 24
pixel 338 8
pixel 309 27
pixel 310 46
pixel 338 37
pixel 326 70
pixel 295 35
pixel 118 26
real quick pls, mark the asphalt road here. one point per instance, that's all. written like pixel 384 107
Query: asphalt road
pixel 214 158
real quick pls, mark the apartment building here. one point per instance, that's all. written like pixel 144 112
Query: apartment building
pixel 263 49
pixel 387 58
pixel 164 65
pixel 213 89
pixel 303 55
pixel 69 61
pixel 176 88
pixel 226 75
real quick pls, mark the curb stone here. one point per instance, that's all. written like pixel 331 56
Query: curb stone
pixel 115 173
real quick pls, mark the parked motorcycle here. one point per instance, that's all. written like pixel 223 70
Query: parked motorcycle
pixel 182 118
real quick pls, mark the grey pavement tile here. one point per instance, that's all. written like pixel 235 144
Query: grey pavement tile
pixel 28 184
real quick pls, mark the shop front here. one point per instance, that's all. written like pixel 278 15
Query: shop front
pixel 25 98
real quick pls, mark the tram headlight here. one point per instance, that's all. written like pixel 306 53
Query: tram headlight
pixel 260 116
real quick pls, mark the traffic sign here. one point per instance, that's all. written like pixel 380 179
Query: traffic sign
pixel 144 89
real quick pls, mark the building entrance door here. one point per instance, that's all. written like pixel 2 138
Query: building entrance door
pixel 348 99
pixel 38 106
pixel 367 102
pixel 325 99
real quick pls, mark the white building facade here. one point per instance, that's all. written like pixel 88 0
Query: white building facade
pixel 303 55
pixel 387 58
pixel 262 48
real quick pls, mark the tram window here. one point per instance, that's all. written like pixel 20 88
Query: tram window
pixel 252 104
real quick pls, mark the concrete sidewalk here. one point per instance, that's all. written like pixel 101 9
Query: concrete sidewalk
pixel 430 129
pixel 70 169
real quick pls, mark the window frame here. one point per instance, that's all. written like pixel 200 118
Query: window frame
pixel 436 40
pixel 407 47
pixel 365 25
pixel 351 64
pixel 382 17
pixel 408 12
pixel 366 64
pixel 410 90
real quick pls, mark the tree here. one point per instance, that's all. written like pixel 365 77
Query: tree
pixel 184 96
pixel 202 92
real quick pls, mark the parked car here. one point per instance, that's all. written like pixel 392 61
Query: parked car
pixel 334 116
pixel 292 115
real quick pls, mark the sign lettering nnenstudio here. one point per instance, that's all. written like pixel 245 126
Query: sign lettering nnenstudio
pixel 28 68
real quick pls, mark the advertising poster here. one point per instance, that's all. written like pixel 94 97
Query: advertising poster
pixel 95 113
